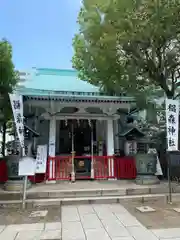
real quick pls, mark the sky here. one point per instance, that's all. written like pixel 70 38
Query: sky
pixel 40 31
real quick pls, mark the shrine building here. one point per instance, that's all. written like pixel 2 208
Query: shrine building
pixel 81 126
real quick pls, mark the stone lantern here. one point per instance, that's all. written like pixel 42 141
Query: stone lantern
pixel 146 164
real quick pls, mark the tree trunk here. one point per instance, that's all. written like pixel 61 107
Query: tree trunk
pixel 4 139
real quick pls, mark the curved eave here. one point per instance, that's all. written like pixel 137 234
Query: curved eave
pixel 35 94
pixel 100 99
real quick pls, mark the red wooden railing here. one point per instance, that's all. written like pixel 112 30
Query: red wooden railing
pixel 125 168
pixel 105 167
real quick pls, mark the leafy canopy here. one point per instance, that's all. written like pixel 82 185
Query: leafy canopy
pixel 8 78
pixel 130 45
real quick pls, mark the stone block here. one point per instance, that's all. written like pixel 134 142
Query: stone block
pixel 158 190
pixel 56 194
pixel 114 192
pixel 28 235
pixel 167 233
pixel 137 191
pixel 85 209
pixel 127 219
pixel 53 226
pixel 70 214
pixel 37 195
pixel 176 189
pixel 90 221
pixel 46 202
pixel 141 233
pixel 154 198
pixel 176 210
pixel 123 238
pixel 145 209
pixel 25 227
pixel 8 235
pixel 35 214
pixel 50 234
pixel 104 200
pixel 72 230
pixel 98 233
pixel 2 227
pixel 90 193
pixel 117 230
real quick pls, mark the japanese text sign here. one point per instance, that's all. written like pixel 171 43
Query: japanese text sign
pixel 17 108
pixel 41 159
pixel 172 124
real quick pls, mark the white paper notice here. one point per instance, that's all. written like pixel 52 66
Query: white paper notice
pixel 41 159
pixel 27 166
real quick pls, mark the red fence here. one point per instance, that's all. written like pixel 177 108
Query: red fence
pixel 125 168
pixel 105 167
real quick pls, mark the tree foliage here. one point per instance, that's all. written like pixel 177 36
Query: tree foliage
pixel 8 80
pixel 131 46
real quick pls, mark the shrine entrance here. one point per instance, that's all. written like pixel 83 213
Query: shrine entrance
pixel 79 136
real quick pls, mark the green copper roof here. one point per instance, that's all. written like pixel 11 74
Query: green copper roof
pixel 57 80
pixel 57 83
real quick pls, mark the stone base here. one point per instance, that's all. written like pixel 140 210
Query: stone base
pixel 16 185
pixel 146 180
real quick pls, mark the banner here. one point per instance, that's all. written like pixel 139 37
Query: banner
pixel 41 159
pixel 172 124
pixel 17 108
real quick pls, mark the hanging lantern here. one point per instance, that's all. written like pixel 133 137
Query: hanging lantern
pixel 66 122
pixel 78 122
pixel 89 122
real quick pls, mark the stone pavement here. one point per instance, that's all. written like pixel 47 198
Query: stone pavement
pixel 89 222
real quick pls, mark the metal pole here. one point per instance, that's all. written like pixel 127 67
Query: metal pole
pixel 169 181
pixel 92 152
pixel 24 193
pixel 73 154
pixel 25 182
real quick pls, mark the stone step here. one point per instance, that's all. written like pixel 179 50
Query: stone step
pixel 33 194
pixel 33 203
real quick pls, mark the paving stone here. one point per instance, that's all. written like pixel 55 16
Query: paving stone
pixel 124 238
pixel 70 214
pixel 38 214
pixel 53 226
pixel 103 212
pixel 90 221
pixel 167 233
pixel 141 233
pixel 96 234
pixel 72 230
pixel 176 210
pixel 111 221
pixel 8 235
pixel 28 235
pixel 145 209
pixel 117 208
pixel 2 227
pixel 117 231
pixel 50 234
pixel 114 192
pixel 170 238
pixel 128 220
pixel 85 209
pixel 30 227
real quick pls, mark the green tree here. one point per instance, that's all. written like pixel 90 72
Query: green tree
pixel 8 80
pixel 131 46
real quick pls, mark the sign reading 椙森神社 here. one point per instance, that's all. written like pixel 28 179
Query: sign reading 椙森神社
pixel 172 124
pixel 17 108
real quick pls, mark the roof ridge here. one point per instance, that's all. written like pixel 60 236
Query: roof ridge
pixel 55 71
